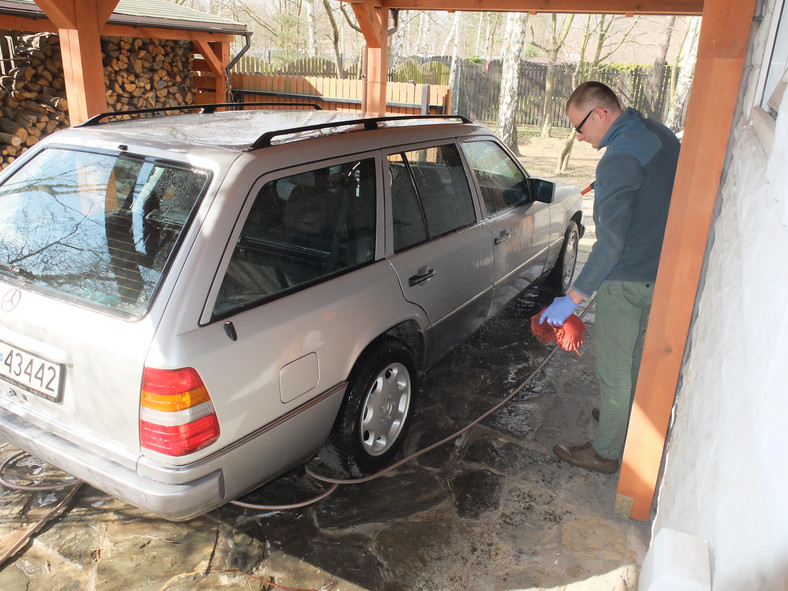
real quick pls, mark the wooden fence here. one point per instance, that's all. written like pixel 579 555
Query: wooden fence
pixel 420 86
pixel 337 94
pixel 478 92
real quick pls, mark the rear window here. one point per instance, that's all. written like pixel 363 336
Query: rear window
pixel 94 227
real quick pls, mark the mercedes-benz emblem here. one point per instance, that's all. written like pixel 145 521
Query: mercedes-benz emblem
pixel 10 299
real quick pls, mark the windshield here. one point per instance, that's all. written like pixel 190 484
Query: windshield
pixel 95 227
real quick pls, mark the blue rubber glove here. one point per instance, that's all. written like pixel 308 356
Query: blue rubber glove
pixel 557 312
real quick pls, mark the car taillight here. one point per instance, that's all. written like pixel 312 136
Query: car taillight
pixel 176 414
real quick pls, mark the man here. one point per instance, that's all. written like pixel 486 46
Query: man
pixel 634 182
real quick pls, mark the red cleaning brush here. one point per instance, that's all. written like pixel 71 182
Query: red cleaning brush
pixel 569 336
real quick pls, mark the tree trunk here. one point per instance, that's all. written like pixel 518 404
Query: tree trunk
pixel 311 26
pixel 654 85
pixel 510 78
pixel 563 158
pixel 686 73
pixel 455 50
pixel 556 43
pixel 547 107
pixel 399 38
pixel 482 18
pixel 335 40
pixel 585 69
pixel 454 33
pixel 489 39
pixel 425 34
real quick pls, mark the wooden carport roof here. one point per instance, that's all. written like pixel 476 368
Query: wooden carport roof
pixel 721 55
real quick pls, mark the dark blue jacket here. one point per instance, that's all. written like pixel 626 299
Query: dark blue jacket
pixel 634 182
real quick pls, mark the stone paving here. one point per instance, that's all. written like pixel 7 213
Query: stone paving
pixel 493 509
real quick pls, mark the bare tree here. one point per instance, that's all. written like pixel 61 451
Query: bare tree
pixel 654 84
pixel 552 50
pixel 489 36
pixel 597 28
pixel 425 34
pixel 483 18
pixel 395 55
pixel 686 66
pixel 335 38
pixel 516 23
pixel 311 27
pixel 455 50
pixel 276 22
pixel 453 33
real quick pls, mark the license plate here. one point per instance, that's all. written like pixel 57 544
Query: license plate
pixel 30 372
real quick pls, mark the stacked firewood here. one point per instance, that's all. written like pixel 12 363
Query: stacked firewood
pixel 147 73
pixel 32 96
pixel 138 74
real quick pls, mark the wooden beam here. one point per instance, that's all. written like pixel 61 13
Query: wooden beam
pixel 44 25
pixel 79 31
pixel 368 18
pixel 104 9
pixel 722 52
pixel 374 24
pixel 222 53
pixel 62 14
pixel 211 59
pixel 669 7
pixel 216 57
pixel 158 33
pixel 28 25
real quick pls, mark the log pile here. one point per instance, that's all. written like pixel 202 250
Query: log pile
pixel 32 96
pixel 147 73
pixel 138 74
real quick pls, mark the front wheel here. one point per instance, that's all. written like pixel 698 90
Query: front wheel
pixel 376 412
pixel 560 279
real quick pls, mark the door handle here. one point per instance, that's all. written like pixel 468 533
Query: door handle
pixel 421 276
pixel 503 236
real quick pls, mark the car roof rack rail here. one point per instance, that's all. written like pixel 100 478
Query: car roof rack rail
pixel 209 108
pixel 367 122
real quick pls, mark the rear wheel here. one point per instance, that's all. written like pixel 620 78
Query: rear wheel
pixel 560 278
pixel 376 412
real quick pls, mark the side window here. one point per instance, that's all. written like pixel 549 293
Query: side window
pixel 301 229
pixel 430 195
pixel 501 181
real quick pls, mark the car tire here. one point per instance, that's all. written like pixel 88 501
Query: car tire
pixel 560 278
pixel 376 412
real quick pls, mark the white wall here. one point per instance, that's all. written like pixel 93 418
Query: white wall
pixel 726 472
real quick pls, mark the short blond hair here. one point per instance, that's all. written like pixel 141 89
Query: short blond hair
pixel 593 94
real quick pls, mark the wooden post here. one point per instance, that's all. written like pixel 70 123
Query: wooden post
pixel 722 51
pixel 374 24
pixel 216 56
pixel 79 24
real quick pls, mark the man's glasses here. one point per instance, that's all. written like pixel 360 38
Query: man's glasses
pixel 579 128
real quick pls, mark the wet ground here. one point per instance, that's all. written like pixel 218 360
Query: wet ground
pixel 493 509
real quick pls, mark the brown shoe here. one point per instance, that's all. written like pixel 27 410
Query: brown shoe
pixel 586 457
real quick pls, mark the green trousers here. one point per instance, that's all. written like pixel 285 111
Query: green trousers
pixel 622 309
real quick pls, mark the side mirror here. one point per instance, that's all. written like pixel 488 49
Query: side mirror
pixel 540 190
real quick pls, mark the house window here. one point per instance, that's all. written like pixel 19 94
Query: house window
pixel 777 71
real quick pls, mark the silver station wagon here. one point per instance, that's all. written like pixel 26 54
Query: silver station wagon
pixel 192 304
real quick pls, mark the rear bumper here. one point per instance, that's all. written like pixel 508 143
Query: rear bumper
pixel 180 493
pixel 171 501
